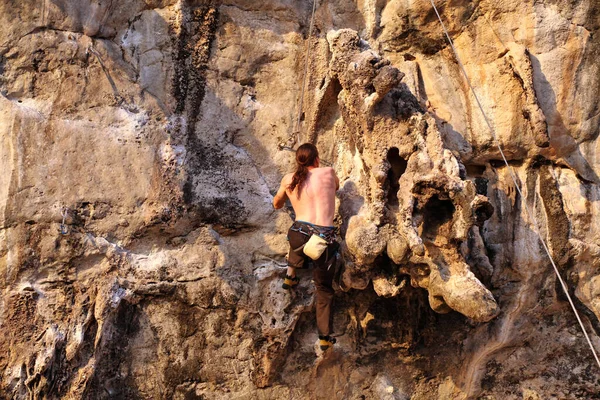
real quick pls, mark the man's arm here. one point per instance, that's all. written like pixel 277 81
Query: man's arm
pixel 281 196
pixel 337 181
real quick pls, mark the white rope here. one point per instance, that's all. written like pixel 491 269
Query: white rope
pixel 310 29
pixel 513 176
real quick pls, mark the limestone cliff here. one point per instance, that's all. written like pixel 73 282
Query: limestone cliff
pixel 140 146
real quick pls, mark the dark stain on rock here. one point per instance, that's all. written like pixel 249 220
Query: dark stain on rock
pixel 416 41
pixel 557 221
pixel 193 47
pixel 406 104
pixel 112 355
pixel 228 211
pixel 193 42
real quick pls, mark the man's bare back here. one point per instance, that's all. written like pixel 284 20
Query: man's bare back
pixel 316 202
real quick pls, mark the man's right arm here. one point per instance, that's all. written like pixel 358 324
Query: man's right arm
pixel 281 196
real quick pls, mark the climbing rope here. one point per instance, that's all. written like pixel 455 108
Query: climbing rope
pixel 306 62
pixel 295 136
pixel 514 178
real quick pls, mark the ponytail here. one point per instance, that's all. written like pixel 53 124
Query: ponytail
pixel 306 156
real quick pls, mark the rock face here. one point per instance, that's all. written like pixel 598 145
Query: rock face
pixel 417 208
pixel 140 147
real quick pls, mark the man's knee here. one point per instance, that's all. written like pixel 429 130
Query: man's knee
pixel 324 289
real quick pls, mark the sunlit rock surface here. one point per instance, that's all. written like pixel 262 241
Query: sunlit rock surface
pixel 153 129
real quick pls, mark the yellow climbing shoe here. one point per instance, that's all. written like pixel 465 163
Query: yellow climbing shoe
pixel 326 342
pixel 290 282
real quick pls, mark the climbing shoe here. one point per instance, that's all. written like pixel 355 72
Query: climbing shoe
pixel 326 342
pixel 290 282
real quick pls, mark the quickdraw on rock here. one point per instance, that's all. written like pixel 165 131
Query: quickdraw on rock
pixel 63 227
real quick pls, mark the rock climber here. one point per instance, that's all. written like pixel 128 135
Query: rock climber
pixel 312 237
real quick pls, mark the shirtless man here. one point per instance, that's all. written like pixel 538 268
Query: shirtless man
pixel 311 190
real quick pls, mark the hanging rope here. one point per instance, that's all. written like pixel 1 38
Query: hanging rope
pixel 306 62
pixel 513 176
pixel 295 136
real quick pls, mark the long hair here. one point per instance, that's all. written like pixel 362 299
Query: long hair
pixel 306 156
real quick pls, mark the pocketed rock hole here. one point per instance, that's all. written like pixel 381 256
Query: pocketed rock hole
pixel 397 168
pixel 436 213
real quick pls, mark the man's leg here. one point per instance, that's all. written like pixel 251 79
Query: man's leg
pixel 323 278
pixel 295 259
pixel 290 280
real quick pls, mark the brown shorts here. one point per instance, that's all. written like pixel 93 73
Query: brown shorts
pixel 299 233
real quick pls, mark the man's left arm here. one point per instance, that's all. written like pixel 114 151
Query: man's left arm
pixel 337 181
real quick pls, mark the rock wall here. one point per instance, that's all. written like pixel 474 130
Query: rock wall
pixel 141 143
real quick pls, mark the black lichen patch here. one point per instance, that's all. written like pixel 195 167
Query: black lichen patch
pixel 228 211
pixel 407 104
pixel 205 164
pixel 193 47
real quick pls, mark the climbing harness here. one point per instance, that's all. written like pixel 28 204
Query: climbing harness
pixel 320 238
pixel 63 227
pixel 308 229
pixel 514 179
